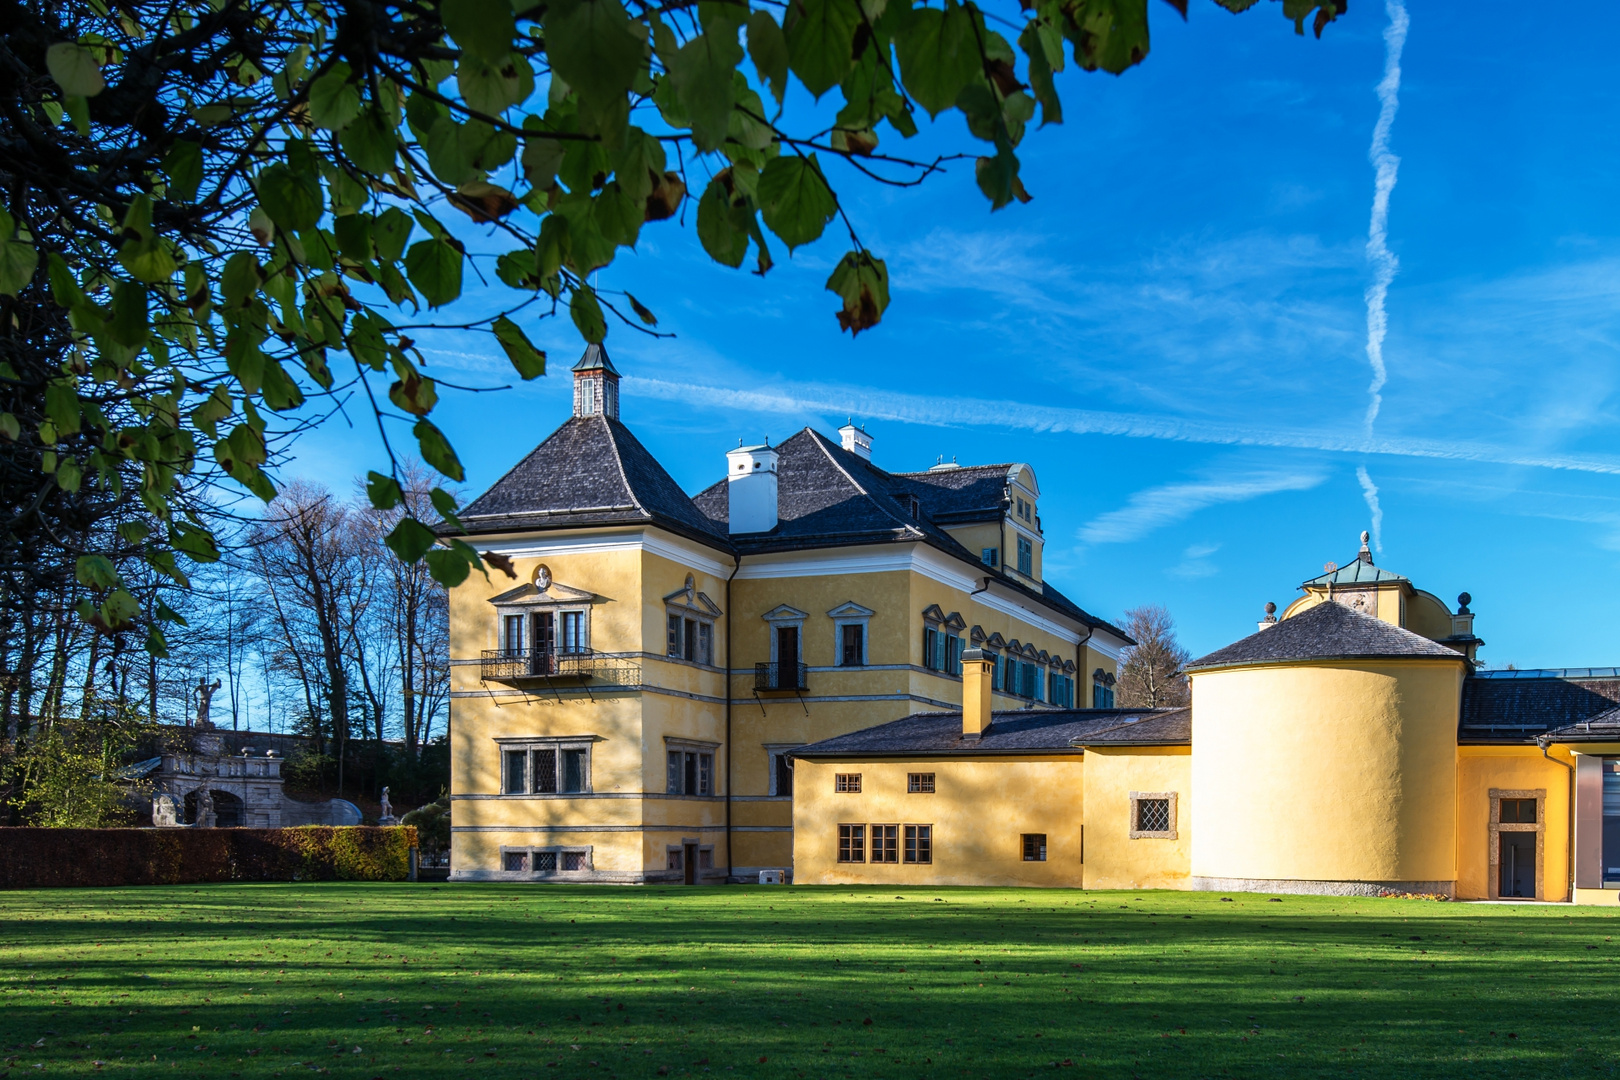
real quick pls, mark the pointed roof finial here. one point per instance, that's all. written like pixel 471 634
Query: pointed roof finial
pixel 1365 554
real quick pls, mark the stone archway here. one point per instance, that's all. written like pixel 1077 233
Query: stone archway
pixel 227 809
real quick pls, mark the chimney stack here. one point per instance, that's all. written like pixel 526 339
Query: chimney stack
pixel 977 669
pixel 1271 616
pixel 751 489
pixel 856 440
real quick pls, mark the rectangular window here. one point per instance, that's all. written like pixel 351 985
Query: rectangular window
pixel 689 650
pixel 673 779
pixel 573 631
pixel 851 642
pixel 1518 811
pixel 953 654
pixel 705 649
pixel 847 782
pixel 1034 847
pixel 513 640
pixel 990 556
pixel 515 781
pixel 1026 557
pixel 544 775
pixel 705 774
pixel 784 774
pixel 920 783
pixel 1153 815
pixel 706 858
pixel 516 862
pixel 674 648
pixel 919 843
pixel 545 862
pixel 1037 683
pixel 675 859
pixel 930 645
pixel 574 779
pixel 995 671
pixel 852 843
pixel 573 860
pixel 885 843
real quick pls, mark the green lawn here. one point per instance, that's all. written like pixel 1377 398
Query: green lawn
pixel 451 981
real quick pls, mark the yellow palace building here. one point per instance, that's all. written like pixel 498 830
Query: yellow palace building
pixel 626 706
pixel 1349 747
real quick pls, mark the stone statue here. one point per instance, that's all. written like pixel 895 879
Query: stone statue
pixel 165 814
pixel 387 817
pixel 205 696
pixel 205 808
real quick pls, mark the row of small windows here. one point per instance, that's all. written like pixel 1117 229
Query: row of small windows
pixel 917 783
pixel 690 772
pixel 544 632
pixel 888 843
pixel 544 861
pixel 545 771
pixel 1102 689
pixel 942 652
pixel 991 556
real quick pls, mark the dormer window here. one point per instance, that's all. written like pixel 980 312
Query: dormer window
pixel 1026 556
pixel 913 506
pixel 990 556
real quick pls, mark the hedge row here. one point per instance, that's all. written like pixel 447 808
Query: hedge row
pixel 46 858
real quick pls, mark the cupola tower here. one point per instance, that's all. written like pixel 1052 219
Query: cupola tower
pixel 596 384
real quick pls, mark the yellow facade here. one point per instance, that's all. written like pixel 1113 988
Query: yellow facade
pixel 1329 772
pixel 1115 858
pixel 979 815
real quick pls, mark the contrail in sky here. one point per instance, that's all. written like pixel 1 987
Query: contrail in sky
pixel 1386 166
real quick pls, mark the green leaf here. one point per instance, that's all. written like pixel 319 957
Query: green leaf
pixel 95 572
pixel 449 567
pixel 75 69
pixel 445 504
pixel 593 46
pixel 369 142
pixel 588 249
pixel 618 216
pixel 240 279
pixel 820 40
pixel 10 429
pixel 643 312
pixel 722 222
pixel 334 98
pixel 62 405
pixel 436 450
pixel 410 540
pixel 795 200
pixel 939 55
pixel 587 314
pixel 293 200
pixel 383 491
pixel 353 235
pixel 217 407
pixel 194 541
pixel 129 324
pixel 767 47
pixel 998 178
pixel 702 73
pixel 184 167
pixel 390 232
pixel 862 282
pixel 18 259
pixel 1040 41
pixel 483 28
pixel 529 361
pixel 493 86
pixel 119 610
pixel 434 267
pixel 1111 34
pixel 415 394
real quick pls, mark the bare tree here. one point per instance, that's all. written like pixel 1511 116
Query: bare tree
pixel 1153 675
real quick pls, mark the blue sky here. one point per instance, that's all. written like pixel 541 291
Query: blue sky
pixel 1174 332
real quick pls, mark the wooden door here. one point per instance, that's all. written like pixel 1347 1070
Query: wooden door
pixel 787 657
pixel 545 643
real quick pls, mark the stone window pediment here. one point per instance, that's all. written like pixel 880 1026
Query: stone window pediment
pixel 996 641
pixel 783 613
pixel 849 609
pixel 554 594
pixel 689 598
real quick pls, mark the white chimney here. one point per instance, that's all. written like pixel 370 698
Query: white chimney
pixel 856 440
pixel 751 489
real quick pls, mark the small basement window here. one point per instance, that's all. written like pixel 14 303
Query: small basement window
pixel 1034 847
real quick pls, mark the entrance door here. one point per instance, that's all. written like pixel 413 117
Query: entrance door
pixel 690 861
pixel 545 643
pixel 1518 865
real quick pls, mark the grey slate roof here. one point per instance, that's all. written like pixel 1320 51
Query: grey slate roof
pixel 594 357
pixel 1329 631
pixel 590 471
pixel 960 495
pixel 1519 706
pixel 1024 731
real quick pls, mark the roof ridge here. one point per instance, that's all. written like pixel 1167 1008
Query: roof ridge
pixel 618 459
pixel 826 447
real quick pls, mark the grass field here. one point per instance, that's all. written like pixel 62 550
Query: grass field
pixel 452 981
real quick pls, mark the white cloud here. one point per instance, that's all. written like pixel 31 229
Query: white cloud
pixel 1369 491
pixel 1386 166
pixel 1195 562
pixel 1157 507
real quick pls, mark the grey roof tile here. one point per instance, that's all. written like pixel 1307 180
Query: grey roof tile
pixel 1329 631
pixel 1496 709
pixel 1014 732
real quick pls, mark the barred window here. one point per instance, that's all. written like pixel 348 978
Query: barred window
pixel 920 783
pixel 516 861
pixel 573 860
pixel 885 843
pixel 1153 815
pixel 847 782
pixel 1034 847
pixel 545 862
pixel 851 843
pixel 545 772
pixel 919 843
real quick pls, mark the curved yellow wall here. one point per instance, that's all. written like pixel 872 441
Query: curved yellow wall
pixel 1336 771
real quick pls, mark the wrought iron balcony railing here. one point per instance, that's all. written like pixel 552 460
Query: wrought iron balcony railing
pixel 558 666
pixel 780 677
